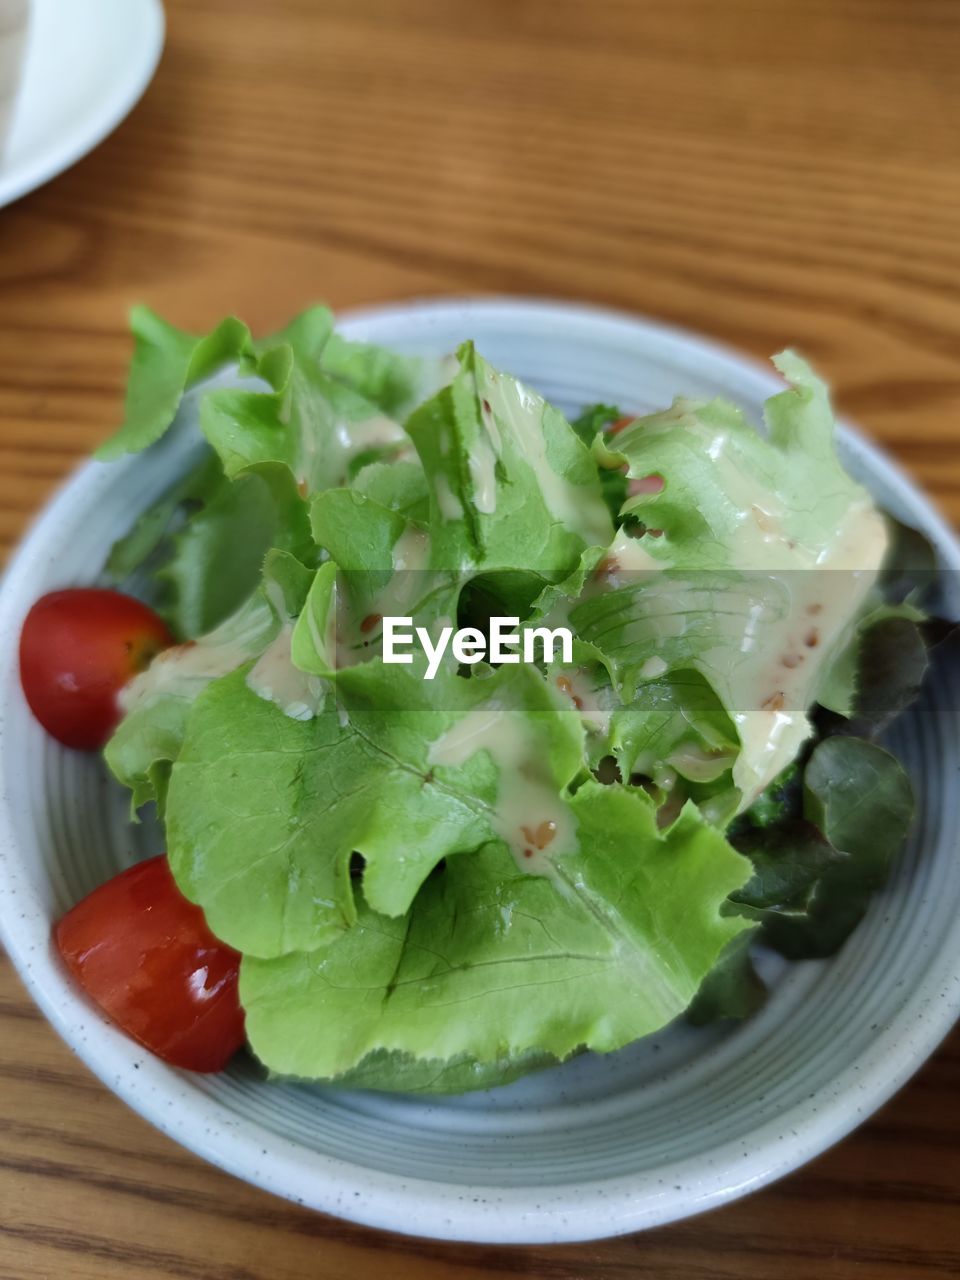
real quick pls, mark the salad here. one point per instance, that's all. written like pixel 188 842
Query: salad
pixel 438 873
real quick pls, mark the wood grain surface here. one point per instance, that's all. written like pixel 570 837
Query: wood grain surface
pixel 765 171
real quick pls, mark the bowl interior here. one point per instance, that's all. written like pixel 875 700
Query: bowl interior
pixel 601 1145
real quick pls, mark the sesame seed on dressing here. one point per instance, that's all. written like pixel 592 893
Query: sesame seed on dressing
pixel 528 814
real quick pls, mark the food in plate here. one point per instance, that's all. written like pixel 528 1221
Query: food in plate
pixel 440 875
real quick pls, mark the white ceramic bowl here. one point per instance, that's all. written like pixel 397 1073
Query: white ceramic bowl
pixel 671 1126
pixel 14 16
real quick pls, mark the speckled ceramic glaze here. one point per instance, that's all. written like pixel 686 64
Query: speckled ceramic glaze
pixel 669 1127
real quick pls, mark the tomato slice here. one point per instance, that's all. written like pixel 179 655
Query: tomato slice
pixel 144 954
pixel 78 648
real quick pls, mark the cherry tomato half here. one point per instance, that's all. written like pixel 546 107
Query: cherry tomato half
pixel 78 648
pixel 144 954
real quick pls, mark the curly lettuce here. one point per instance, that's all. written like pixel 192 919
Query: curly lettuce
pixel 440 885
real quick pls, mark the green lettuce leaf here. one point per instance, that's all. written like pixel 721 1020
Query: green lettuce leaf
pixel 393 382
pixel 511 485
pixel 593 421
pixel 780 801
pixel 911 572
pixel 399 486
pixel 438 558
pixel 891 663
pixel 144 746
pixel 677 725
pixel 491 964
pixel 404 1073
pixel 384 563
pixel 746 540
pixel 158 702
pixel 323 415
pixel 216 557
pixel 148 543
pixel 432 888
pixel 265 812
pixel 814 874
pixel 732 988
pixel 166 361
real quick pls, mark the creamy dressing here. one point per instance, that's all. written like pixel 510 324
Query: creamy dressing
pixel 411 551
pixel 530 817
pixel 482 463
pixel 783 653
pixel 184 669
pixel 692 761
pixel 345 632
pixel 348 441
pixel 758 506
pixel 274 678
pixel 411 556
pixel 653 668
pixel 788 617
pixel 410 582
pixel 306 450
pixel 802 597
pixel 595 702
pixel 378 432
pixel 826 591
pixel 489 420
pixel 629 556
pixel 625 561
pixel 451 508
pixel 767 664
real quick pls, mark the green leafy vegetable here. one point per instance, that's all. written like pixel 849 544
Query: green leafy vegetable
pixel 732 988
pixel 593 421
pixel 148 739
pixel 813 876
pixel 512 487
pixel 751 534
pixel 166 361
pixel 780 801
pixel 439 885
pixel 404 1073
pixel 392 382
pixel 203 543
pixel 616 953
pixel 910 574
pixel 892 663
pixel 265 812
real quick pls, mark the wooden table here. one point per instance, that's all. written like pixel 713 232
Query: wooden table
pixel 767 171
